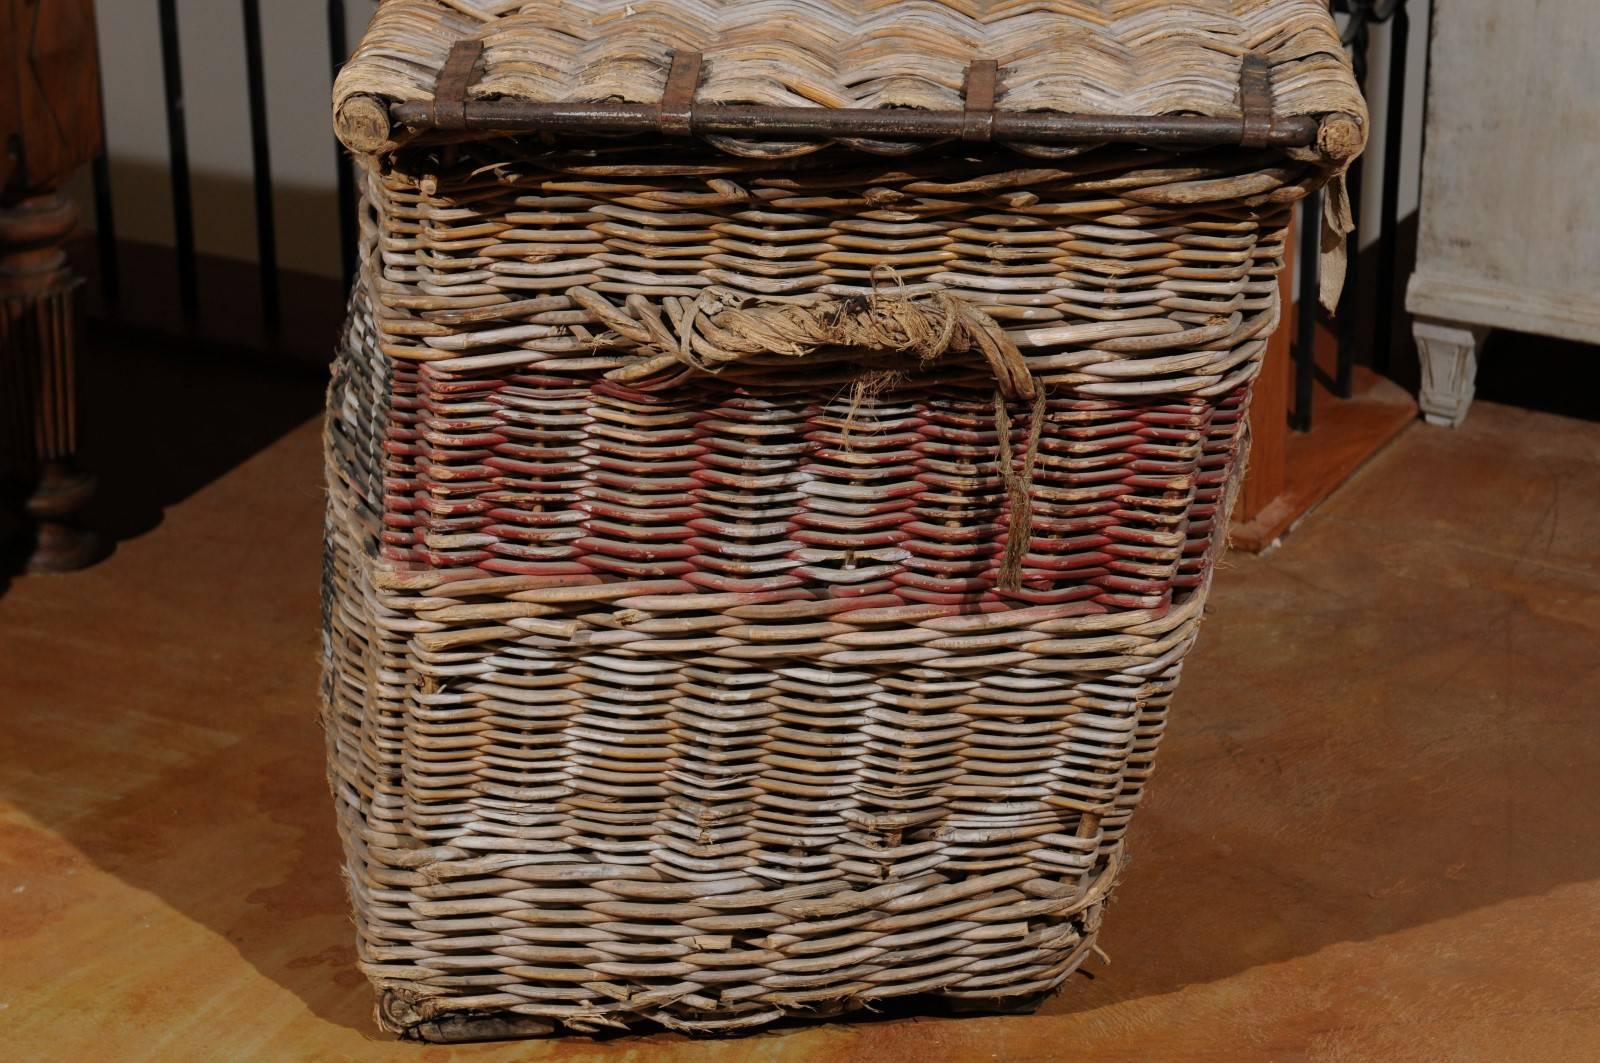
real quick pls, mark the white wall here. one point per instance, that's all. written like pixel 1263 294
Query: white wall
pixel 299 78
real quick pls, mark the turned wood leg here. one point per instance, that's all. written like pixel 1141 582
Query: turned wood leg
pixel 1449 354
pixel 38 402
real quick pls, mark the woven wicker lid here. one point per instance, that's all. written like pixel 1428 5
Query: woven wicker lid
pixel 1109 58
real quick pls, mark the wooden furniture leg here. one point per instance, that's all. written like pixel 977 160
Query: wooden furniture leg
pixel 1449 353
pixel 38 341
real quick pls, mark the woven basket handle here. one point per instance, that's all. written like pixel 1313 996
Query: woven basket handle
pixel 707 334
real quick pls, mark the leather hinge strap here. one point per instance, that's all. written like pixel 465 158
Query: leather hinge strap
pixel 460 70
pixel 1255 101
pixel 677 99
pixel 977 122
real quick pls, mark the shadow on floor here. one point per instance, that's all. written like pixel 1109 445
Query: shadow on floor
pixel 181 692
pixel 160 419
pixel 161 423
pixel 1538 373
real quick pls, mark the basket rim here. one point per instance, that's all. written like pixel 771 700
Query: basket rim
pixel 1274 77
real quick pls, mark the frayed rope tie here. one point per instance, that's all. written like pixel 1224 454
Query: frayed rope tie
pixel 1019 488
pixel 710 333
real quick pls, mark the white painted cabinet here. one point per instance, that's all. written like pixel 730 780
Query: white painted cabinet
pixel 1510 223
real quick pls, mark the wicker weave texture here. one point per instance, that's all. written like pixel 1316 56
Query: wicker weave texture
pixel 756 586
pixel 698 699
pixel 1089 56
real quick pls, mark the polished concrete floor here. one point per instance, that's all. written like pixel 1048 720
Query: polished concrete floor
pixel 1374 835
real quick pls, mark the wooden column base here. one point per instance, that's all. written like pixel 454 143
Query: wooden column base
pixel 59 544
pixel 38 385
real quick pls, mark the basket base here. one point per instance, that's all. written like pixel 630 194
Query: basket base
pixel 473 1029
pixel 508 1026
pixel 1026 1004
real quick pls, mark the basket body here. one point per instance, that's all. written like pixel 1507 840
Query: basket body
pixel 701 703
pixel 758 573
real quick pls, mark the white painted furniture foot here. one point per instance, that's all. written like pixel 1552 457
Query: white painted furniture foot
pixel 1449 355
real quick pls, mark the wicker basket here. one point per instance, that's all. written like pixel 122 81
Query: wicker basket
pixel 776 463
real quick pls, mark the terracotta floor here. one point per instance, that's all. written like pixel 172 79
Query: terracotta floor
pixel 1375 834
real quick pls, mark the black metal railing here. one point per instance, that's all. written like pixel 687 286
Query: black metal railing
pixel 261 165
pixel 186 259
pixel 178 162
pixel 338 51
pixel 1363 15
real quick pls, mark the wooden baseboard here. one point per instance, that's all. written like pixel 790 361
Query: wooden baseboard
pixel 1345 434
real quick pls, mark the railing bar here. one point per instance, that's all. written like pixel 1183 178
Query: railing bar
pixel 178 153
pixel 105 218
pixel 1305 353
pixel 338 50
pixel 105 231
pixel 261 158
pixel 1389 219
